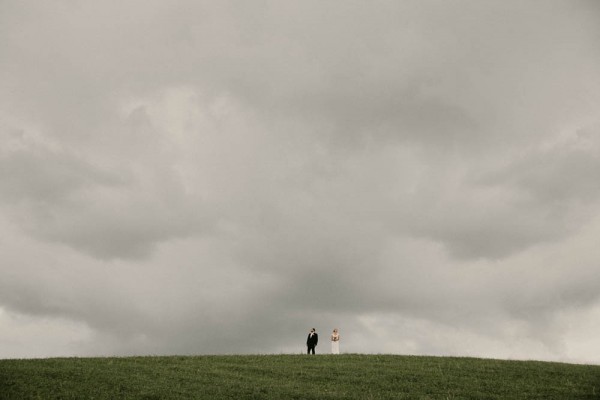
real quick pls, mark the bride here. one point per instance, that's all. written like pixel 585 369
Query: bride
pixel 335 342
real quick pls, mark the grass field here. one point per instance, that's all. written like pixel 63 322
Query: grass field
pixel 295 377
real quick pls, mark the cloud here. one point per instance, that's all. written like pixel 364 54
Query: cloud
pixel 195 178
pixel 89 201
pixel 547 174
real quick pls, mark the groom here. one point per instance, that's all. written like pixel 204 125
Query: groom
pixel 311 341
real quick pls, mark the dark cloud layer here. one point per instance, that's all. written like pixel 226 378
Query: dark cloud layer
pixel 218 177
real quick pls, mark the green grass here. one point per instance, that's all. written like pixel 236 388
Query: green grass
pixel 295 377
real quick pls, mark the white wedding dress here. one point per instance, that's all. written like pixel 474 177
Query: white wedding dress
pixel 335 346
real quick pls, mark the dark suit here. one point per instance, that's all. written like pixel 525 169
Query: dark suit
pixel 311 342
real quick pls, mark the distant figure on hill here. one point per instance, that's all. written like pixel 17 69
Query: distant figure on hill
pixel 311 341
pixel 335 342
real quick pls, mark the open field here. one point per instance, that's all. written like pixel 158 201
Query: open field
pixel 346 376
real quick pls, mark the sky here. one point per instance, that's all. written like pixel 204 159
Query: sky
pixel 218 177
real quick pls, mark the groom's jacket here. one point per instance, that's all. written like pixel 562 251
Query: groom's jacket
pixel 312 340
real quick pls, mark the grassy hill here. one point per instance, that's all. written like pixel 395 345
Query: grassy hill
pixel 295 377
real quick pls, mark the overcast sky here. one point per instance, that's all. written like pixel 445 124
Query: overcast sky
pixel 187 177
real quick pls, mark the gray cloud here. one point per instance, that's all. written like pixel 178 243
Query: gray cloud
pixel 195 178
pixel 559 174
pixel 107 209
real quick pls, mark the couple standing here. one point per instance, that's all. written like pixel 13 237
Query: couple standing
pixel 313 339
